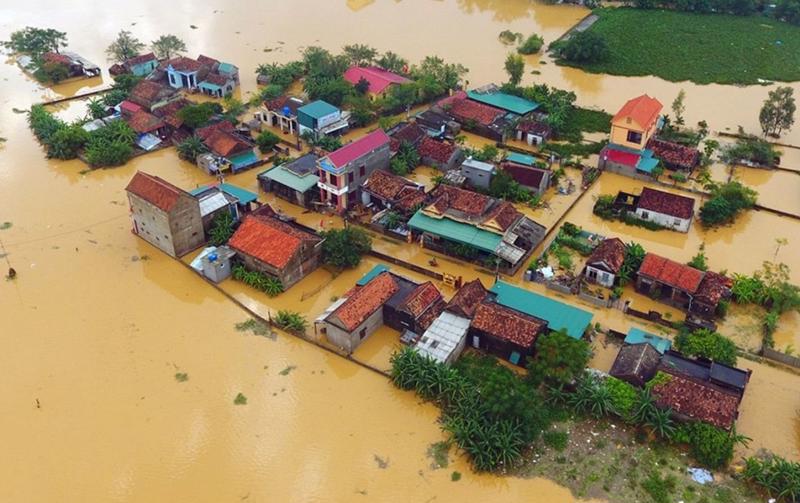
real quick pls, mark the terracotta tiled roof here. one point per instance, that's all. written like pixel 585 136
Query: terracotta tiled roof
pixel 698 400
pixel 439 151
pixel 378 78
pixel 390 187
pixel 169 112
pixel 269 240
pixel 55 58
pixel 504 214
pixel 422 298
pixel 358 148
pixel 713 287
pixel 225 144
pixel 365 301
pixel 507 324
pixel 666 203
pixel 144 122
pixel 409 198
pixel 535 127
pixel 470 203
pixel 643 110
pixel 674 154
pixel 409 133
pixel 216 79
pixel 141 58
pixel 428 316
pixel 157 191
pixel 184 64
pixel 611 252
pixel 280 102
pixel 147 91
pixel 129 107
pixel 524 175
pixel 205 60
pixel 467 298
pixel 464 109
pixel 205 132
pixel 671 273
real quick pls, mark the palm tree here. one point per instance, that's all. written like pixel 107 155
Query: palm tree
pixel 644 408
pixel 660 422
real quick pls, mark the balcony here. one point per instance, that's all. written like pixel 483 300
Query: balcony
pixel 333 189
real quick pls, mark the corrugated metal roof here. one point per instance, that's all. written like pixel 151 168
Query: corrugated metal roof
pixel 212 203
pixel 504 101
pixel 527 160
pixel 371 274
pixel 456 231
pixel 443 336
pixel 557 314
pixel 293 181
pixel 318 109
pixel 638 336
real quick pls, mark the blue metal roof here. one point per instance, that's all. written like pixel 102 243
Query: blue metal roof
pixel 371 274
pixel 638 336
pixel 527 160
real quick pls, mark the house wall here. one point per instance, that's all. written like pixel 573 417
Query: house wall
pixel 186 225
pixel 600 276
pixel 296 269
pixel 377 159
pixel 476 177
pixel 678 224
pixel 500 348
pixel 349 341
pixel 619 134
pixel 174 233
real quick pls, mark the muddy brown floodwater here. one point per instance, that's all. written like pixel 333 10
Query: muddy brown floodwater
pixel 98 323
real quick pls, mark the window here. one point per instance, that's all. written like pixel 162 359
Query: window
pixel 676 222
pixel 645 215
pixel 634 137
pixel 362 333
pixel 362 171
pixel 350 177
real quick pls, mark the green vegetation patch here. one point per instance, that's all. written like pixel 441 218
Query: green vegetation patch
pixel 712 48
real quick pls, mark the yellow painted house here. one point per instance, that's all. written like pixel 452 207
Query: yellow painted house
pixel 636 122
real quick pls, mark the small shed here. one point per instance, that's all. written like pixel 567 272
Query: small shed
pixel 639 336
pixel 445 339
pixel 636 363
pixel 217 264
pixel 478 173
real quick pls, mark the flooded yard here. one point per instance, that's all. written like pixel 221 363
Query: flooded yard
pixel 98 324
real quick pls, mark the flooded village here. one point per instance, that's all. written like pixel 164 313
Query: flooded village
pixel 255 256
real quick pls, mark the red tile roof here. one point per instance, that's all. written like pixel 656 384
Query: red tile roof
pixel 184 64
pixel 698 400
pixel 611 252
pixel 365 300
pixel 145 122
pixel 467 298
pixel 55 58
pixel 621 157
pixel 378 78
pixel 157 191
pixel 386 185
pixel 674 154
pixel 713 287
pixel 205 132
pixel 129 107
pixel 465 109
pixel 507 324
pixel 169 112
pixel 358 148
pixel 145 92
pixel 671 273
pixel 470 203
pixel 666 203
pixel 141 58
pixel 216 79
pixel 278 104
pixel 205 60
pixel 269 240
pixel 504 214
pixel 409 133
pixel 225 144
pixel 524 175
pixel 422 298
pixel 644 110
pixel 410 197
pixel 535 127
pixel 439 151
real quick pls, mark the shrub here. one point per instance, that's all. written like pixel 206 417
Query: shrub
pixel 623 396
pixel 190 148
pixel 775 475
pixel 258 280
pixel 726 201
pixel 292 321
pixel 585 47
pixel 707 344
pixel 531 45
pixel 710 446
pixel 556 440
pixel 343 248
pixel 660 489
pixel 266 141
pixel 559 359
pixel 221 229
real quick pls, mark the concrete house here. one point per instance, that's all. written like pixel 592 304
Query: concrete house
pixel 666 209
pixel 341 173
pixel 527 172
pixel 440 154
pixel 631 129
pixel 295 181
pixel 281 113
pixel 205 74
pixel 320 118
pixel 532 132
pixel 139 66
pixel 478 173
pixel 279 249
pixel 150 95
pixel 164 215
pixel 604 263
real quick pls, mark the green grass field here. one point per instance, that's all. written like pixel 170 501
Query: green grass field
pixel 703 48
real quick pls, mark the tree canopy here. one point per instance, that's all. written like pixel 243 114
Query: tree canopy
pixel 777 113
pixel 35 41
pixel 343 248
pixel 167 46
pixel 125 46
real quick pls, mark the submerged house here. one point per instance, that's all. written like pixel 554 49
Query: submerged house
pixel 527 172
pixel 385 190
pixel 73 64
pixel 631 129
pixel 150 95
pixel 681 285
pixel 150 130
pixel 227 150
pixel 164 215
pixel 476 226
pixel 405 132
pixel 492 95
pixel 320 118
pixel 379 80
pixel 440 154
pixel 294 181
pixel 478 174
pixel 279 249
pixel 281 113
pixel 605 262
pixel 437 123
pixel 532 132
pixel 341 173
pixel 666 209
pixel 205 74
pixel 139 66
pixel 380 298
pixel 636 363
pixel 506 333
pixel 475 116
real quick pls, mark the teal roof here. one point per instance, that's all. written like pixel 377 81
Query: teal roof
pixel 244 196
pixel 456 231
pixel 505 101
pixel 527 160
pixel 638 336
pixel 243 160
pixel 371 274
pixel 285 177
pixel 557 314
pixel 208 85
pixel 646 164
pixel 226 68
pixel 318 109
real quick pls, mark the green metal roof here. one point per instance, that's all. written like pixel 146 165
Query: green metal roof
pixel 505 101
pixel 318 109
pixel 638 336
pixel 371 274
pixel 285 177
pixel 209 85
pixel 244 196
pixel 456 231
pixel 557 314
pixel 226 68
pixel 527 160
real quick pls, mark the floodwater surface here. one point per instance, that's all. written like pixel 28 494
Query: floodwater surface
pixel 98 323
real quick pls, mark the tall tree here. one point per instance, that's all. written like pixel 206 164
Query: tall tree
pixel 392 62
pixel 777 113
pixel 167 46
pixel 35 41
pixel 515 67
pixel 678 107
pixel 360 54
pixel 124 47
